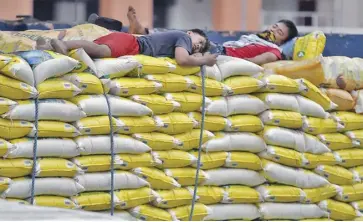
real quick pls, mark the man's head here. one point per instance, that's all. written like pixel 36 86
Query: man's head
pixel 200 40
pixel 283 30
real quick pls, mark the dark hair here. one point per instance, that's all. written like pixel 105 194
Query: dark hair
pixel 202 33
pixel 291 27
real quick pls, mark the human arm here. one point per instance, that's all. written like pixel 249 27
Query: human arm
pixel 183 58
pixel 264 58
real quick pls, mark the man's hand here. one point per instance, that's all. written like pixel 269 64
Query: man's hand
pixel 210 59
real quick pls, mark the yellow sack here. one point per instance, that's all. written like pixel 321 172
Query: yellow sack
pixel 336 141
pixel 208 194
pixel 18 201
pixel 244 123
pixel 174 158
pixel 157 141
pixel 317 126
pixel 131 125
pixel 243 84
pixel 4 183
pixel 358 219
pixel 337 175
pixel 351 193
pixel 152 65
pixel 309 46
pixel 358 205
pixel 350 121
pixel 240 194
pixel 96 163
pixel 338 210
pixel 14 89
pixel 150 213
pixel 212 87
pixel 279 84
pixel 310 69
pixel 357 96
pixel 280 193
pixel 158 104
pixel 5 147
pixel 173 123
pixel 133 86
pixel 85 61
pixel 157 178
pixel 15 167
pixel 182 70
pixel 210 160
pixel 97 125
pixel 6 105
pixel 57 89
pixel 182 213
pixel 16 68
pixel 132 198
pixel 12 129
pixel 188 101
pixel 342 98
pixel 350 157
pixel 173 198
pixel 287 119
pixel 343 73
pixel 170 82
pixel 56 129
pixel 313 93
pixel 211 123
pixel 93 201
pixel 314 195
pixel 243 160
pixel 87 82
pixel 283 156
pixel 190 140
pixel 356 136
pixel 54 167
pixel 357 171
pixel 186 176
pixel 311 161
pixel 130 161
pixel 54 201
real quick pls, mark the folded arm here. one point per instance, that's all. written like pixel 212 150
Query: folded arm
pixel 183 58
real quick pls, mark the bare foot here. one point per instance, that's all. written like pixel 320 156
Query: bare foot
pixel 59 46
pixel 135 25
pixel 42 44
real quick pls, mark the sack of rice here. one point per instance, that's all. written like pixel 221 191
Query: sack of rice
pixel 337 141
pixel 173 123
pixel 337 175
pixel 5 147
pixel 211 123
pixel 293 139
pixel 17 68
pixel 290 211
pixel 188 101
pixel 231 66
pixel 221 212
pixel 157 178
pixel 85 61
pixel 190 140
pixel 182 213
pixel 47 64
pixel 92 145
pixel 308 107
pixel 244 123
pixel 173 198
pixel 150 213
pixel 358 205
pixel 157 141
pixel 55 129
pixel 170 82
pixel 279 101
pixel 15 168
pixel 130 161
pixel 212 87
pixel 56 88
pixel 56 167
pixel 280 193
pixel 350 157
pixel 87 82
pixel 287 157
pixel 116 67
pixel 358 98
pixel 47 147
pixel 317 126
pixel 356 136
pixel 6 105
pixel 94 201
pixel 243 84
pixel 208 194
pixel 97 125
pixel 243 160
pixel 233 105
pixel 54 201
pixel 15 129
pixel 134 197
pixel 96 105
pixel 338 210
pixel 102 181
pixel 14 89
pixel 4 183
pixel 225 176
pixel 274 172
pixel 152 65
pixel 357 171
pixel 186 176
pixel 50 109
pixel 350 193
pixel 311 161
pixel 133 86
pixel 279 84
pixel 210 160
pixel 158 104
pixel 174 158
pixel 315 195
pixel 235 142
pixel 21 187
pixel 138 124
pixel 288 119
pixel 96 163
pixel 350 121
pixel 235 194
pixel 182 70
pixel 342 98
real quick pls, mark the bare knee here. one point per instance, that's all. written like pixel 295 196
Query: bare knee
pixel 103 51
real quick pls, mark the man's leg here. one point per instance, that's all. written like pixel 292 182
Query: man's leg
pixel 135 25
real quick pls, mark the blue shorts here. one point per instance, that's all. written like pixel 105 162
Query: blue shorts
pixel 217 49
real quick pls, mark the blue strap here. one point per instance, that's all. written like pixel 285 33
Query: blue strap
pixel 202 68
pixel 35 147
pixel 112 155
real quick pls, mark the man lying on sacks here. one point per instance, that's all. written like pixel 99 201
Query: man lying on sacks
pixel 172 44
pixel 258 48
